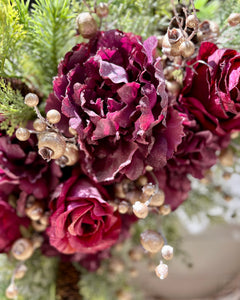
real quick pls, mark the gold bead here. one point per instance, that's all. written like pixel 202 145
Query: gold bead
pixel 102 10
pixel 234 134
pixel 148 168
pixel 87 26
pixel 37 241
pixel 123 207
pixel 116 266
pixel 51 145
pixel 234 19
pixel 45 218
pixel 149 189
pixel 226 157
pixel 168 72
pixel 162 270
pixel 72 131
pixel 187 48
pixel 192 21
pixel 157 199
pixel 20 272
pixel 133 196
pixel 167 252
pixel 173 87
pixel 160 40
pixel 227 175
pixel 38 226
pixel 165 210
pixel 39 125
pixel 31 100
pixel 12 291
pixel 22 249
pixel 142 180
pixel 53 116
pixel 35 211
pixel 133 272
pixel 118 189
pixel 22 134
pixel 140 210
pixel 124 295
pixel 70 156
pixel 151 241
pixel 136 253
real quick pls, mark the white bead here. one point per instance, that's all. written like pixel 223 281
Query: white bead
pixel 167 252
pixel 140 209
pixel 162 270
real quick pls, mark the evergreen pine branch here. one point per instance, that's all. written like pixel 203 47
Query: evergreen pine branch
pixel 12 38
pixel 51 29
pixel 12 109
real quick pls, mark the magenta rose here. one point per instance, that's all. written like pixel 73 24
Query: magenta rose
pixel 212 89
pixel 9 225
pixel 82 220
pixel 112 91
pixel 195 154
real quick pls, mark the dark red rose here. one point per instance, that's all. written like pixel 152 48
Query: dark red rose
pixel 9 225
pixel 195 154
pixel 82 220
pixel 24 169
pixel 212 90
pixel 112 91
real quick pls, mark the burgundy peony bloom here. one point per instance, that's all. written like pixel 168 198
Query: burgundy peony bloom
pixel 212 91
pixel 9 225
pixel 112 91
pixel 82 220
pixel 23 168
pixel 195 155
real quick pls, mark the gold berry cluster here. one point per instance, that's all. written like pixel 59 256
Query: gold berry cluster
pixel 52 144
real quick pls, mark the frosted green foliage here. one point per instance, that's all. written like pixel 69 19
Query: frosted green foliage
pixel 142 17
pixel 12 38
pixel 39 281
pixel 102 285
pixel 51 29
pixel 12 108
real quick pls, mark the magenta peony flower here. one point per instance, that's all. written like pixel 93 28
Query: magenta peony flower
pixel 211 91
pixel 24 169
pixel 82 220
pixel 9 225
pixel 195 155
pixel 112 91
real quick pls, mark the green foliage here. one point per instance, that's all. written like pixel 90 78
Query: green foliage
pixel 51 29
pixel 207 9
pixel 142 17
pixel 39 281
pixel 12 38
pixel 13 109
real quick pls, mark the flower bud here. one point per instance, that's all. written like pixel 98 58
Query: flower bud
pixel 102 10
pixel 192 21
pixel 173 87
pixel 152 241
pixel 171 42
pixel 187 48
pixel 31 100
pixel 70 157
pixel 226 157
pixel 22 134
pixel 87 26
pixel 234 19
pixel 162 270
pixel 160 40
pixel 149 189
pixel 38 226
pixel 39 125
pixel 51 145
pixel 136 253
pixel 208 28
pixel 22 249
pixel 53 116
pixel 142 180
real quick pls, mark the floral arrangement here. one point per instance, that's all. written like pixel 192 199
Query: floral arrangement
pixel 116 138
